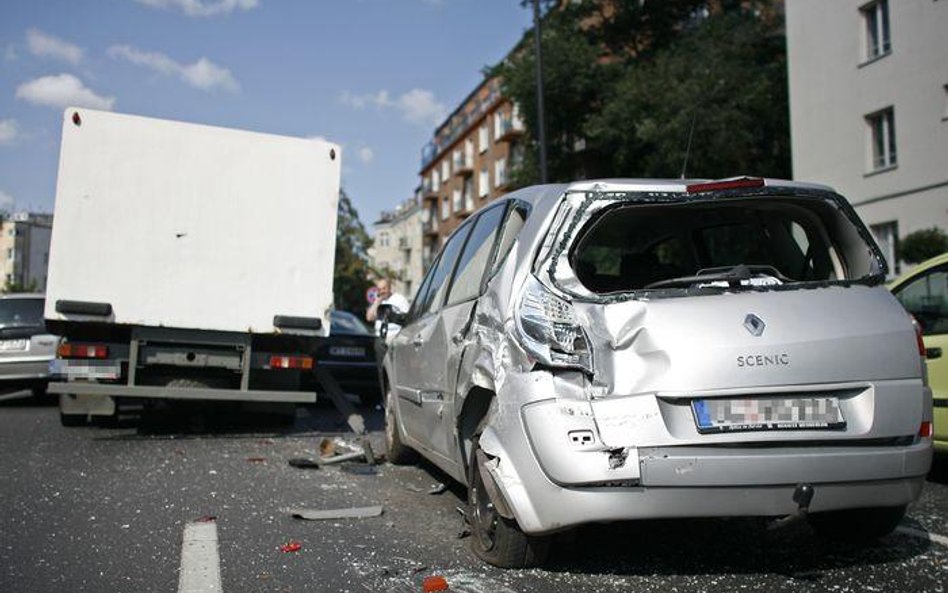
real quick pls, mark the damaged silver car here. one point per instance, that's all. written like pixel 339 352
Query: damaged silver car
pixel 613 350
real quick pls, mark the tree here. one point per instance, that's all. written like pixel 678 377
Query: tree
pixel 923 244
pixel 352 272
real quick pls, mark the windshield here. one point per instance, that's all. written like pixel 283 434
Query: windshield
pixel 729 243
pixel 345 323
pixel 21 312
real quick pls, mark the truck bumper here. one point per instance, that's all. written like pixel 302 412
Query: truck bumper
pixel 118 390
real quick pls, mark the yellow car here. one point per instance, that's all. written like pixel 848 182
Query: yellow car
pixel 924 293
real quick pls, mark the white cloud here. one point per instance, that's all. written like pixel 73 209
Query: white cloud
pixel 62 90
pixel 417 106
pixel 202 7
pixel 6 201
pixel 365 154
pixel 8 131
pixel 203 74
pixel 45 45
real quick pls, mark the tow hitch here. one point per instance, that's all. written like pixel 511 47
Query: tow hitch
pixel 802 495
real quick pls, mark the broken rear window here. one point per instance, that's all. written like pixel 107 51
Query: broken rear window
pixel 738 242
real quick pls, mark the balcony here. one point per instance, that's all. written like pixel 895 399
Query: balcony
pixel 464 165
pixel 509 129
pixel 430 227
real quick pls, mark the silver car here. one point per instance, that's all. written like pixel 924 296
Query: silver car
pixel 625 349
pixel 25 346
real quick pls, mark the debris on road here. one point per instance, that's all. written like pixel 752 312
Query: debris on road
pixel 359 469
pixel 438 488
pixel 256 460
pixel 328 448
pixel 206 519
pixel 303 463
pixel 329 514
pixel 434 583
pixel 291 546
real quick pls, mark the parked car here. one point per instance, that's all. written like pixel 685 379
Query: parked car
pixel 25 346
pixel 349 355
pixel 924 293
pixel 631 349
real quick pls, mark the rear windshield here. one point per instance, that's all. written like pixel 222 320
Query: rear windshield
pixel 763 241
pixel 21 312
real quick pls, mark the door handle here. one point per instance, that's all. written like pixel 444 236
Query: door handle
pixel 932 353
pixel 417 342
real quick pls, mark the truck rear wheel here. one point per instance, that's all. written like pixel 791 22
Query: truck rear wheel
pixel 71 420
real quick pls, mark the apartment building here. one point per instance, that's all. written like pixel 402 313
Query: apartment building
pixel 24 249
pixel 869 108
pixel 468 161
pixel 397 245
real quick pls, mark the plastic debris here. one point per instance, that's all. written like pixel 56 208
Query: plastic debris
pixel 328 514
pixel 327 447
pixel 434 583
pixel 438 488
pixel 303 463
pixel 291 546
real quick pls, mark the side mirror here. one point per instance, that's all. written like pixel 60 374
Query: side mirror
pixel 389 314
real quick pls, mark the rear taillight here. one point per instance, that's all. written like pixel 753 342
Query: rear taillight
pixel 291 362
pixel 738 183
pixel 549 330
pixel 82 351
pixel 925 430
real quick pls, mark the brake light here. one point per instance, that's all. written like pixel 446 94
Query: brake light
pixel 925 429
pixel 291 362
pixel 82 351
pixel 724 184
pixel 549 330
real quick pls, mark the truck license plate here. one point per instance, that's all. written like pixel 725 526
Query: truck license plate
pixel 13 345
pixel 348 351
pixel 772 413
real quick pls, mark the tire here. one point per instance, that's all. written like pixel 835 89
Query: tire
pixel 72 420
pixel 395 450
pixel 494 539
pixel 857 525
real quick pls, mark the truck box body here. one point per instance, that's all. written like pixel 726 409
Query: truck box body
pixel 191 226
pixel 187 261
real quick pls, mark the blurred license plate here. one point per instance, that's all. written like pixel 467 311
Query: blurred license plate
pixel 777 413
pixel 349 351
pixel 11 345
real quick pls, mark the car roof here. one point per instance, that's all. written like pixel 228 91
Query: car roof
pixel 23 295
pixel 919 269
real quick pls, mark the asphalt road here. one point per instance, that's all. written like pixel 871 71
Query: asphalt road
pixel 105 508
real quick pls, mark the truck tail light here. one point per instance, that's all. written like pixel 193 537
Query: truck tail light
pixel 291 362
pixel 723 184
pixel 82 351
pixel 925 429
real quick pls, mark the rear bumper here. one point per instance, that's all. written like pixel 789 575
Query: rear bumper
pixel 24 370
pixel 119 390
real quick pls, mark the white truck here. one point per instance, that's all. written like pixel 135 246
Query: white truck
pixel 187 262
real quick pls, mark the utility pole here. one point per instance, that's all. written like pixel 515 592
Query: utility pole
pixel 541 127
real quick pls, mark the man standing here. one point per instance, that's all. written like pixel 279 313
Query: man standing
pixel 385 296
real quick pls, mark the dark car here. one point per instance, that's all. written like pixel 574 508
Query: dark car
pixel 349 355
pixel 25 346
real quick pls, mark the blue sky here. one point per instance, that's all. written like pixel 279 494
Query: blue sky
pixel 376 76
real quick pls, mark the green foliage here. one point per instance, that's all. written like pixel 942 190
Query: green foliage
pixel 351 274
pixel 923 244
pixel 621 97
pixel 17 286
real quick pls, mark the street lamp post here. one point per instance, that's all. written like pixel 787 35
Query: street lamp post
pixel 541 128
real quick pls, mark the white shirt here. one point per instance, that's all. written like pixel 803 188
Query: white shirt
pixel 401 305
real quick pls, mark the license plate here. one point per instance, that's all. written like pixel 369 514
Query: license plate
pixel 85 371
pixel 13 345
pixel 347 351
pixel 776 413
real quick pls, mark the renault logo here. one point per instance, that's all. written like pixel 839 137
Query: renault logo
pixel 754 324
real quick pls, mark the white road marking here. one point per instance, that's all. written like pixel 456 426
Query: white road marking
pixel 200 565
pixel 933 537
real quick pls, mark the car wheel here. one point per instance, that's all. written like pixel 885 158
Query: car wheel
pixel 396 451
pixel 496 539
pixel 857 525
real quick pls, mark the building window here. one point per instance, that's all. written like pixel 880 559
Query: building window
pixel 10 253
pixel 445 169
pixel 456 199
pixel 498 125
pixel 445 208
pixel 875 15
pixel 882 139
pixel 887 236
pixel 483 137
pixel 435 181
pixel 500 172
pixel 483 182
